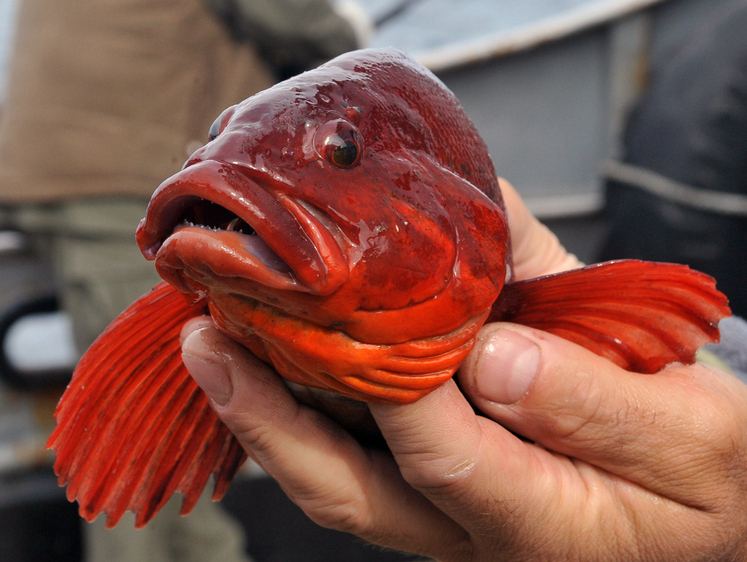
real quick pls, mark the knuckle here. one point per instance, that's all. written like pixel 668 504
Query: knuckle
pixel 721 426
pixel 727 440
pixel 728 446
pixel 330 502
pixel 330 507
pixel 585 414
pixel 718 438
pixel 440 477
pixel 257 437
pixel 349 513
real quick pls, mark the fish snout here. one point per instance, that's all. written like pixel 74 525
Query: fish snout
pixel 212 221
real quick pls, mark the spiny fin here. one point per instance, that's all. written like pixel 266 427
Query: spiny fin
pixel 132 426
pixel 640 315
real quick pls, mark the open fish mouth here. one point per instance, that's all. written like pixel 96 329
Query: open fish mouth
pixel 206 215
pixel 213 221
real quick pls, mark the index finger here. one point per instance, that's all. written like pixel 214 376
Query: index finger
pixel 474 470
pixel 337 483
pixel 536 250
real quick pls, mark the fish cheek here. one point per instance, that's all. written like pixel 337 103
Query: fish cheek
pixel 485 245
pixel 412 274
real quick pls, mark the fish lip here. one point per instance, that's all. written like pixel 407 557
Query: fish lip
pixel 180 191
pixel 315 262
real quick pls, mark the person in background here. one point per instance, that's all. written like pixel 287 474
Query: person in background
pixel 680 192
pixel 105 100
pixel 573 458
pixel 296 35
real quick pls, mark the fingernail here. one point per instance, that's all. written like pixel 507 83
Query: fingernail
pixel 506 366
pixel 207 368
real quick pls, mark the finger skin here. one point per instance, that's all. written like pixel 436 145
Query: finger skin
pixel 511 499
pixel 527 503
pixel 320 467
pixel 673 433
pixel 679 436
pixel 536 250
pixel 588 462
pixel 466 488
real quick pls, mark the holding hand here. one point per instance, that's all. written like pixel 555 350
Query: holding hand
pixel 609 465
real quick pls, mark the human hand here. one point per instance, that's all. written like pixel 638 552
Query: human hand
pixel 536 250
pixel 617 466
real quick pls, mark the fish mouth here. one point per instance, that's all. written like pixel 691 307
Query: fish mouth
pixel 216 221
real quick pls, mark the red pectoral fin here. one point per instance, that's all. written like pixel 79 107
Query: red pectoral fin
pixel 132 426
pixel 640 315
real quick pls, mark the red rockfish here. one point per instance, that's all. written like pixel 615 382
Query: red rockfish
pixel 347 227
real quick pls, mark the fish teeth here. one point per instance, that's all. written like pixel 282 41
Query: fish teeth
pixel 186 224
pixel 183 224
pixel 230 227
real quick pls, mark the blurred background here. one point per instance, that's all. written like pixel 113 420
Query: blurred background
pixel 623 124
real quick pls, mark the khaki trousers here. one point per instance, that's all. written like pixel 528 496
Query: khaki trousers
pixel 97 265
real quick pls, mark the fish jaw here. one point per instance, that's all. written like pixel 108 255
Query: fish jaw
pixel 188 231
pixel 316 356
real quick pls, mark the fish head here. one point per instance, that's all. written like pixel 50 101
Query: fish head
pixel 355 200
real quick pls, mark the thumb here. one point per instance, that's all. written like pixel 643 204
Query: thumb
pixel 571 401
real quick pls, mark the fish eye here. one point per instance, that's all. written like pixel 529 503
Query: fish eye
pixel 220 123
pixel 340 143
pixel 344 154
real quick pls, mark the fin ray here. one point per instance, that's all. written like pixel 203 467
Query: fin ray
pixel 132 426
pixel 640 315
